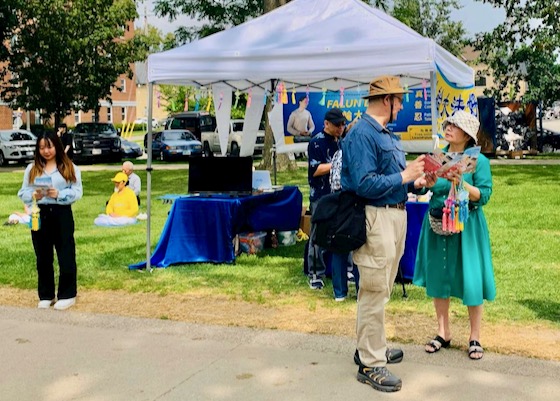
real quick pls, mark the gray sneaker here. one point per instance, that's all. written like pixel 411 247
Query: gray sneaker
pixel 379 378
pixel 316 283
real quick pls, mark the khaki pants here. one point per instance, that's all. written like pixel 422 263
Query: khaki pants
pixel 378 262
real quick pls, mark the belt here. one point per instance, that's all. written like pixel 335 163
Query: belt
pixel 400 206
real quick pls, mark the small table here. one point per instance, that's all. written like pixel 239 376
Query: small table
pixel 201 229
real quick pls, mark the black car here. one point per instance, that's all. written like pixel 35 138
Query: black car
pixel 130 150
pixel 96 142
pixel 548 141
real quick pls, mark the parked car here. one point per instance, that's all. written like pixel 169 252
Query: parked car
pixel 548 142
pixel 174 144
pixel 17 145
pixel 130 150
pixel 211 140
pixel 196 122
pixel 144 122
pixel 96 142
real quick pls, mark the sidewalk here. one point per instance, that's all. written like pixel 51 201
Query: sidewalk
pixel 58 356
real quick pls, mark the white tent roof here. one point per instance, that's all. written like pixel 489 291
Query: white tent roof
pixel 321 43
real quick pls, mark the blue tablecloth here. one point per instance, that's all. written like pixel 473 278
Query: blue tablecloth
pixel 415 216
pixel 201 229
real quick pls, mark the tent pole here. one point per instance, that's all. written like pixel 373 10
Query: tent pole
pixel 433 89
pixel 274 162
pixel 149 179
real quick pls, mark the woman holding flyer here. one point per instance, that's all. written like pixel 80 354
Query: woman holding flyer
pixel 456 261
pixel 51 184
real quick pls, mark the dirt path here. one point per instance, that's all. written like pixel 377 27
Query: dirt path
pixel 536 341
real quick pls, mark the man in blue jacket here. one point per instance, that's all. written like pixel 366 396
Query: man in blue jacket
pixel 374 167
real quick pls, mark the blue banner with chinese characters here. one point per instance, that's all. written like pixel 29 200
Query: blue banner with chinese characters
pixel 413 121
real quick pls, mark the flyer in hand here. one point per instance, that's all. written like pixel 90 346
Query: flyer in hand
pixel 42 183
pixel 441 162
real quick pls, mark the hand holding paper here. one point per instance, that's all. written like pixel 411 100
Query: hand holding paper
pixel 441 163
pixel 43 187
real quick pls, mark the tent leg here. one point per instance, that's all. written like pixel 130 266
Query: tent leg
pixel 149 179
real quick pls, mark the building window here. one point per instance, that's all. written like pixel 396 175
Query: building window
pixel 123 114
pixel 109 114
pixel 480 79
pixel 123 85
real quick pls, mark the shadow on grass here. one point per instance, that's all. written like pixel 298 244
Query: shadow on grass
pixel 548 310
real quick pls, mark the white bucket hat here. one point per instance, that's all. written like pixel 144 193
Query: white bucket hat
pixel 466 121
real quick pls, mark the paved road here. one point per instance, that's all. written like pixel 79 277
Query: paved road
pixel 57 356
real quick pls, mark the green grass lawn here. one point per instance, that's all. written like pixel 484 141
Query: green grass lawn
pixel 523 215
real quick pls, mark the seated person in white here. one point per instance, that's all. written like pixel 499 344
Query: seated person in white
pixel 19 217
pixel 122 208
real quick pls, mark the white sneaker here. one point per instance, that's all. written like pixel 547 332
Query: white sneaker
pixel 142 216
pixel 45 304
pixel 340 299
pixel 63 304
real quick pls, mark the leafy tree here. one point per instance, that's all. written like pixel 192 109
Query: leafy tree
pixel 8 22
pixel 150 40
pixel 432 19
pixel 67 54
pixel 523 48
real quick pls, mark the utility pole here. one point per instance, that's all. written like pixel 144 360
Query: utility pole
pixel 145 19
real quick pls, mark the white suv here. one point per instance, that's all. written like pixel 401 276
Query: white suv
pixel 16 145
pixel 211 140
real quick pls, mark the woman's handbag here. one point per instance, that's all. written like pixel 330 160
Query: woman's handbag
pixel 435 216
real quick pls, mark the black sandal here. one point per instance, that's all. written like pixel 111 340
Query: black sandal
pixel 474 348
pixel 437 343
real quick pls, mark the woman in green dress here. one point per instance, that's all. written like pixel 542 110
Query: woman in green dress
pixel 458 265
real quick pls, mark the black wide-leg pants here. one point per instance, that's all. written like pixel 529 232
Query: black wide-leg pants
pixel 56 232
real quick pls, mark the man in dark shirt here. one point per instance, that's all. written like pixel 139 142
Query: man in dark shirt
pixel 66 139
pixel 374 167
pixel 320 151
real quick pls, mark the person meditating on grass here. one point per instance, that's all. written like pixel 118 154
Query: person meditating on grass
pixel 122 207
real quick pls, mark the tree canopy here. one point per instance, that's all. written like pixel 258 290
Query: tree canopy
pixel 218 15
pixel 432 19
pixel 524 47
pixel 67 54
pixel 8 22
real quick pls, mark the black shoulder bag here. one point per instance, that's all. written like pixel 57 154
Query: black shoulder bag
pixel 340 222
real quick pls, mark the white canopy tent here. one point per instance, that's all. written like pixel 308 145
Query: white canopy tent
pixel 309 45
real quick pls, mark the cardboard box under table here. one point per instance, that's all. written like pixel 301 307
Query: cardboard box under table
pixel 201 229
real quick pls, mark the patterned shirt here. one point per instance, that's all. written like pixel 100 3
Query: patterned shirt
pixel 321 149
pixel 336 168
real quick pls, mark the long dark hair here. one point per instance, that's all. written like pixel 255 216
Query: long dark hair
pixel 63 162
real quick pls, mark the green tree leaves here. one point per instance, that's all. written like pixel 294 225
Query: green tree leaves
pixel 432 19
pixel 67 54
pixel 524 48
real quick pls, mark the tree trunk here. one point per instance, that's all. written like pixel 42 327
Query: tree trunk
pixel 270 5
pixel 283 163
